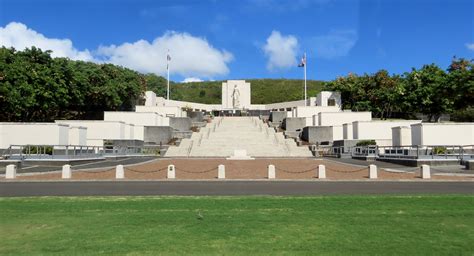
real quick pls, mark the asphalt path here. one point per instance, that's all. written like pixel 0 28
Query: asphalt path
pixel 123 188
pixel 393 166
pixel 26 168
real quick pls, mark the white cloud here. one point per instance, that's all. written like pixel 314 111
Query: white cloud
pixel 190 56
pixel 470 46
pixel 337 43
pixel 19 36
pixel 191 79
pixel 281 51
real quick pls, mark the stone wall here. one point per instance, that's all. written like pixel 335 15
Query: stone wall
pixel 157 134
pixel 292 124
pixel 317 134
pixel 196 116
pixel 278 117
pixel 181 123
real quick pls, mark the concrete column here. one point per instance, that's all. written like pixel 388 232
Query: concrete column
pixel 119 173
pixel 221 171
pixel 10 172
pixel 171 172
pixel 321 171
pixel 372 171
pixel 66 173
pixel 271 171
pixel 425 171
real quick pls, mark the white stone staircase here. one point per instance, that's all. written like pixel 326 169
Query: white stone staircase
pixel 226 134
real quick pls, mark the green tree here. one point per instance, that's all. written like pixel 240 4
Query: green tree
pixel 428 92
pixel 156 84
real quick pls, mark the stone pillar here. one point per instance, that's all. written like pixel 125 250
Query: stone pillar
pixel 119 173
pixel 171 172
pixel 425 171
pixel 221 171
pixel 321 171
pixel 372 171
pixel 66 173
pixel 271 171
pixel 10 172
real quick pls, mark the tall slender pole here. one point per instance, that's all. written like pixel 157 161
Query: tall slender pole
pixel 305 93
pixel 168 75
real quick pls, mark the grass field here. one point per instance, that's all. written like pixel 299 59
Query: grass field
pixel 335 225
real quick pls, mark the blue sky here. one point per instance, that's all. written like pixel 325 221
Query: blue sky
pixel 248 38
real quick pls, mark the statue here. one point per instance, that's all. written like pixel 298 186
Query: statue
pixel 236 97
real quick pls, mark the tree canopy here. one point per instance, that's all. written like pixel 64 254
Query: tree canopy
pixel 37 87
pixel 429 90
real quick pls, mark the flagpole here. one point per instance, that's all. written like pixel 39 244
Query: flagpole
pixel 305 94
pixel 168 75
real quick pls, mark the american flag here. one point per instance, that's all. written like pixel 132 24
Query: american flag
pixel 303 61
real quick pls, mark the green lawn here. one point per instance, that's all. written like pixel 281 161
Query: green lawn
pixel 335 225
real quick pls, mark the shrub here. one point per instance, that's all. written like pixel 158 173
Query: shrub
pixel 439 150
pixel 48 150
pixel 366 143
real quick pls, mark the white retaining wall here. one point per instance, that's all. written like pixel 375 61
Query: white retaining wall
pixel 309 112
pixel 162 111
pixel 97 130
pixel 377 130
pixel 340 118
pixel 337 132
pixel 347 132
pixel 136 118
pixel 33 133
pixel 401 136
pixel 77 136
pixel 323 97
pixel 285 105
pixel 442 134
pixel 139 132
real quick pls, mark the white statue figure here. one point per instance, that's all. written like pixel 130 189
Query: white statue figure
pixel 236 97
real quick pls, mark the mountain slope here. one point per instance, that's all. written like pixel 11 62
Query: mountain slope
pixel 264 91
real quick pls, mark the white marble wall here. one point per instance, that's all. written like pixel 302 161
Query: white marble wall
pixel 33 133
pixel 377 130
pixel 401 136
pixel 98 130
pixel 442 134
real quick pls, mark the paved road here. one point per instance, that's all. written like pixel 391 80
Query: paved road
pixel 121 188
pixel 387 165
pixel 26 168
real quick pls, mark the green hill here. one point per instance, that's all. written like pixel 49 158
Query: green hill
pixel 264 91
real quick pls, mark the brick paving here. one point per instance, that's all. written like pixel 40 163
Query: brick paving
pixel 204 169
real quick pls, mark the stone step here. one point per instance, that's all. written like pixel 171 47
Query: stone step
pixel 224 135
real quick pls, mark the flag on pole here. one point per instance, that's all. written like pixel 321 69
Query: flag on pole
pixel 168 59
pixel 303 62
